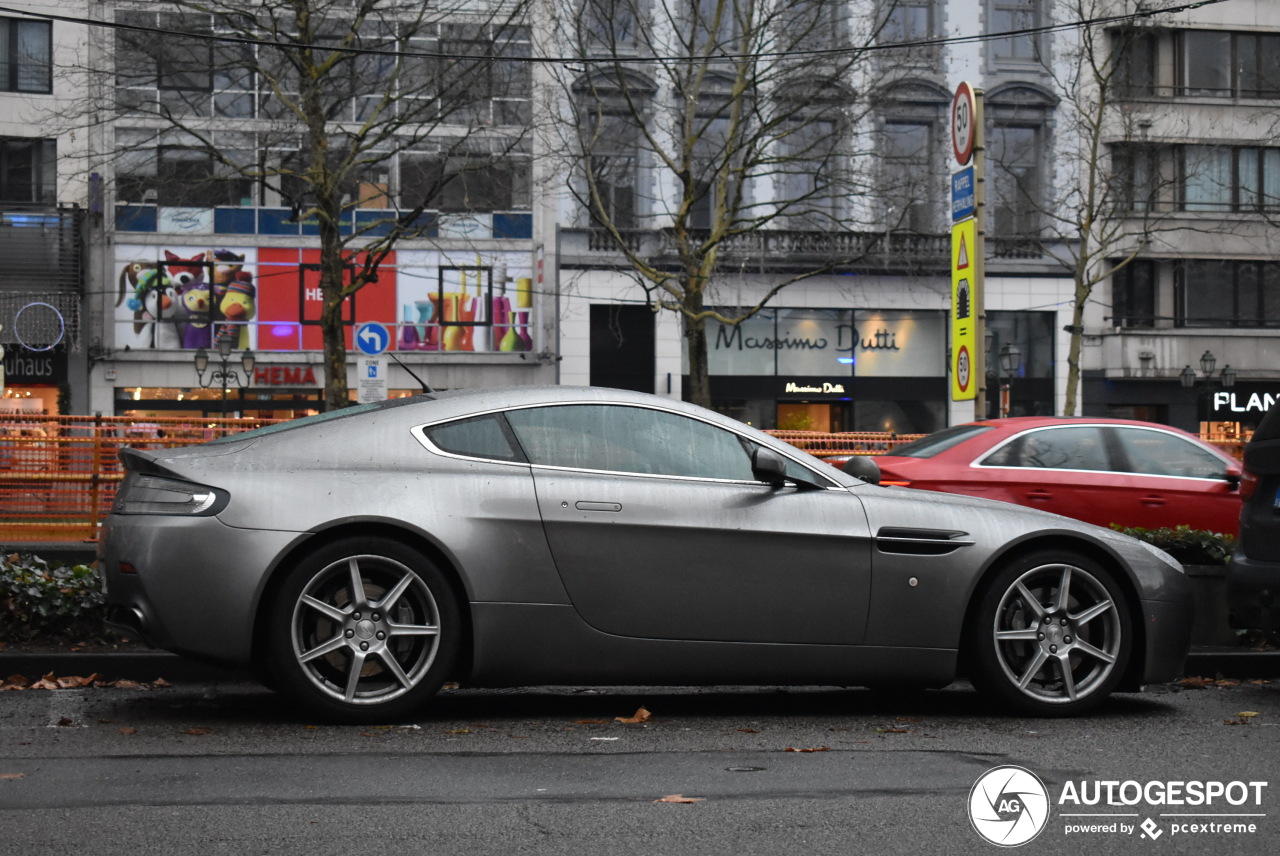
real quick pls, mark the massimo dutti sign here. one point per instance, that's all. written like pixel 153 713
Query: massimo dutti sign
pixel 809 343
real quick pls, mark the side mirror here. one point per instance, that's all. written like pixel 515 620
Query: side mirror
pixel 1232 480
pixel 863 468
pixel 769 467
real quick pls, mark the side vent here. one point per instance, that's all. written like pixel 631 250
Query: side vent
pixel 920 542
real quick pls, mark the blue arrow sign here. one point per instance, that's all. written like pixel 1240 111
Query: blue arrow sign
pixel 372 338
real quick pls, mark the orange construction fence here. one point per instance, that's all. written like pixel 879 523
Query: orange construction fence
pixel 59 474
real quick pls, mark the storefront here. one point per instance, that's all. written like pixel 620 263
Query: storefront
pixel 34 381
pixel 832 370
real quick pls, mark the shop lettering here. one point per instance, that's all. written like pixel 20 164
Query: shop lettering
pixel 28 367
pixel 1256 403
pixel 826 388
pixel 732 338
pixel 313 294
pixel 284 376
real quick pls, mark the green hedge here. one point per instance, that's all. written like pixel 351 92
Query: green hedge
pixel 39 600
pixel 1189 546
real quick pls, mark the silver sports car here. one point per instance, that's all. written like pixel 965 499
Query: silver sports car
pixel 358 559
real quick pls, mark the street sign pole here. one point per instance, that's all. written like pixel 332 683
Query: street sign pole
pixel 968 251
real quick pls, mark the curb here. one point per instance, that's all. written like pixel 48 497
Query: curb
pixel 143 666
pixel 147 666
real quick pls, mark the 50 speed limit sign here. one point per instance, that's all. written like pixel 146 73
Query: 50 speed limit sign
pixel 963 124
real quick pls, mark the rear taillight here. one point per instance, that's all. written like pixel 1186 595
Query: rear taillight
pixel 154 495
pixel 1248 485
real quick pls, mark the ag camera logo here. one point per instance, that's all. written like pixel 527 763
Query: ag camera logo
pixel 1009 806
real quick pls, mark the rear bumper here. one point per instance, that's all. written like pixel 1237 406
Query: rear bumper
pixel 1253 594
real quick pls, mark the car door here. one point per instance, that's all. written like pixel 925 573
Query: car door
pixel 1170 480
pixel 659 530
pixel 1065 470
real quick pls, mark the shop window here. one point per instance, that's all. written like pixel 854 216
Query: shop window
pixel 465 183
pixel 26 55
pixel 28 170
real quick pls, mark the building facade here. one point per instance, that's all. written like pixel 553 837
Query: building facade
pixel 157 202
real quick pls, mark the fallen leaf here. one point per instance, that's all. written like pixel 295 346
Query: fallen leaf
pixel 642 715
pixel 679 798
pixel 1259 681
pixel 127 730
pixel 815 749
pixel 198 731
pixel 65 722
pixel 11 775
pixel 458 731
pixel 591 721
pixel 893 731
pixel 1245 714
pixel 451 685
pixel 123 684
pixel 160 682
pixel 1195 683
pixel 1226 683
pixel 748 731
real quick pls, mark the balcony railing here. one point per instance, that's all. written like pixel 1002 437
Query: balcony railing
pixel 893 250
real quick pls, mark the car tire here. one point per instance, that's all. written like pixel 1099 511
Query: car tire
pixel 368 653
pixel 1050 634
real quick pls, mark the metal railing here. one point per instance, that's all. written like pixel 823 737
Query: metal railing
pixel 59 474
pixel 822 444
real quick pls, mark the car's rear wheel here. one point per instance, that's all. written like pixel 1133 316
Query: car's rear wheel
pixel 363 630
pixel 1051 634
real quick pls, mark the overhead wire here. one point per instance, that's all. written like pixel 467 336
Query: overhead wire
pixel 615 59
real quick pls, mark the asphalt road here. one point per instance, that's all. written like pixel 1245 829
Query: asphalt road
pixel 229 768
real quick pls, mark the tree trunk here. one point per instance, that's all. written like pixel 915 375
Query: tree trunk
pixel 1073 352
pixel 695 332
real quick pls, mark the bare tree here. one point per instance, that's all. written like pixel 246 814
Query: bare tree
pixel 324 106
pixel 703 131
pixel 1114 191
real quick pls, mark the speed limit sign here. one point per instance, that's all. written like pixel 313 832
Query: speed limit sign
pixel 963 125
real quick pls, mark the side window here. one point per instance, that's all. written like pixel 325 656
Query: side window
pixel 1073 448
pixel 1156 453
pixel 630 440
pixel 481 437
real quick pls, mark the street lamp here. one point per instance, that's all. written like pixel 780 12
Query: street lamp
pixel 224 376
pixel 1207 364
pixel 1010 359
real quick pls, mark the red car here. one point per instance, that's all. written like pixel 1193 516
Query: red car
pixel 1101 471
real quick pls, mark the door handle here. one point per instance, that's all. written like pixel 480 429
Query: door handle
pixel 583 505
pixel 1153 500
pixel 1039 495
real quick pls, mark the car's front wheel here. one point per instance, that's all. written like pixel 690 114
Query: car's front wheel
pixel 1051 634
pixel 363 630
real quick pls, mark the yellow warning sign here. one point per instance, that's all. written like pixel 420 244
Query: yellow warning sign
pixel 964 323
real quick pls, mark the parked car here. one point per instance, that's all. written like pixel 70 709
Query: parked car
pixel 358 559
pixel 1253 574
pixel 1101 471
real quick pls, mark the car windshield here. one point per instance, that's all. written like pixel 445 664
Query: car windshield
pixel 939 441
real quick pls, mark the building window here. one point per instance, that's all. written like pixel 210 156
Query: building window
pixel 1221 293
pixel 1135 63
pixel 909 178
pixel 609 23
pixel 28 170
pixel 1015 16
pixel 1224 179
pixel 26 55
pixel 1015 176
pixel 465 182
pixel 612 158
pixel 1136 177
pixel 1133 295
pixel 906 21
pixel 1228 65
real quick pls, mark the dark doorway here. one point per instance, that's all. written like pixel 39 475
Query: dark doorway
pixel 622 345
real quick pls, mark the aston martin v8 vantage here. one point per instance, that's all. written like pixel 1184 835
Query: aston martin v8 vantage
pixel 358 559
